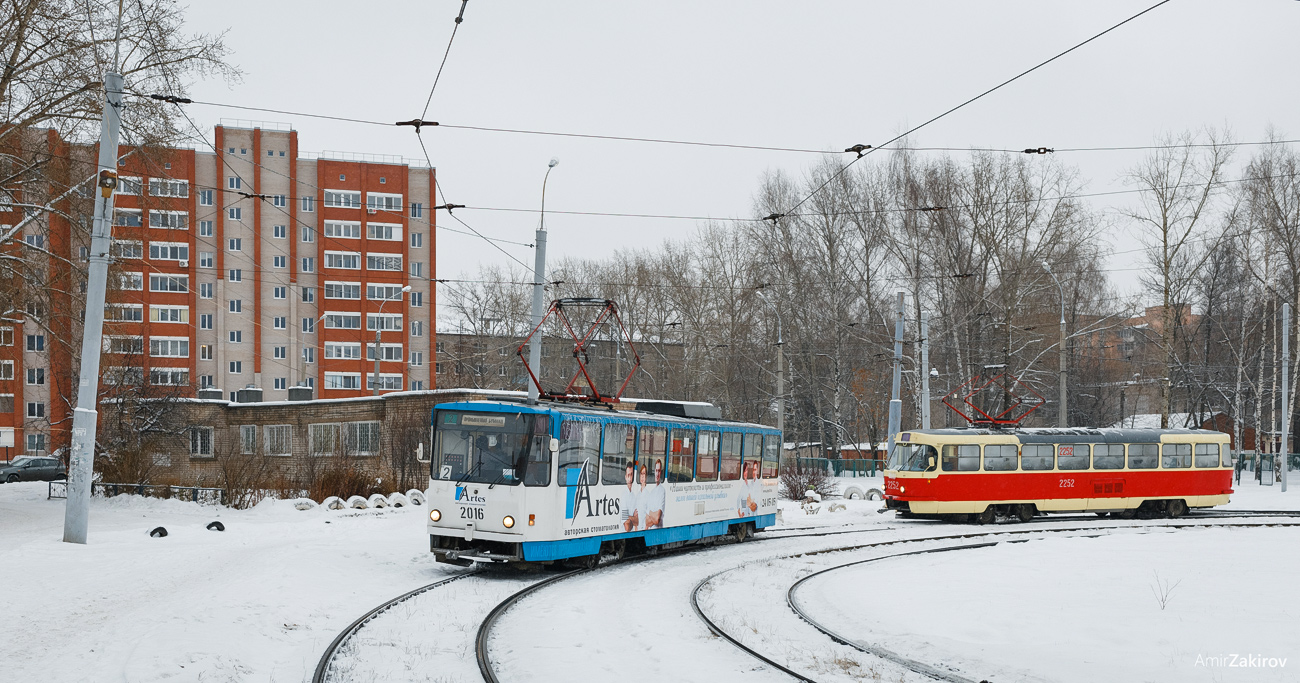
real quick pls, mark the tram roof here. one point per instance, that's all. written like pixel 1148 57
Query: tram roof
pixel 585 410
pixel 1078 434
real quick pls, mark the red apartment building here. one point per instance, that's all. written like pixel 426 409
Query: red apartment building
pixel 248 265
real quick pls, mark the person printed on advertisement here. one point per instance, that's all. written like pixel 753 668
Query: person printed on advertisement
pixel 643 501
pixel 657 496
pixel 755 489
pixel 627 511
pixel 742 495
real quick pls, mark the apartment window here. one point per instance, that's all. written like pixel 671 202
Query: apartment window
pixel 342 290
pixel 35 409
pixel 235 213
pixel 205 381
pixel 280 232
pixel 37 241
pixel 280 322
pixel 234 182
pixel 236 367
pixel 205 352
pixel 169 283
pixel 127 249
pixel 309 264
pixel 346 260
pixel 417 385
pixel 35 311
pixel 247 439
pixel 35 443
pixel 35 342
pixel 384 231
pixel 417 299
pixel 308 294
pixel 169 314
pixel 243 150
pixel 342 380
pixel 133 282
pixel 417 328
pixel 171 220
pixel 417 211
pixel 388 352
pixel 167 187
pixel 279 200
pixel 308 234
pixel 129 376
pixel 383 321
pixel 205 290
pixel 281 261
pixel 83 253
pixel 309 356
pixel 129 185
pixel 363 437
pixel 7 373
pixel 342 321
pixel 169 347
pixel 169 377
pixel 235 244
pixel 280 352
pixel 343 350
pixel 342 199
pixel 235 275
pixel 384 202
pixel 384 261
pixel 384 292
pixel 205 228
pixel 200 441
pixel 279 438
pixel 343 229
pixel 417 240
pixel 270 153
pixel 128 218
pixel 308 325
pixel 236 336
pixel 124 313
pixel 417 269
pixel 417 358
pixel 205 259
pixel 387 382
pixel 437 368
pixel 205 197
pixel 169 251
pixel 205 321
pixel 236 305
pixel 6 336
pixel 308 205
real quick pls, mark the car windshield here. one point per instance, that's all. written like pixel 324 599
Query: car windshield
pixel 491 448
pixel 21 461
pixel 911 457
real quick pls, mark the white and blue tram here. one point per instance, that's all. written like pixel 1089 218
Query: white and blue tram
pixel 512 482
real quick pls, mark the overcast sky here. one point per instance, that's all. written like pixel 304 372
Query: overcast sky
pixel 814 75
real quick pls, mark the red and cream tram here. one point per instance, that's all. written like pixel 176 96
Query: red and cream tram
pixel 978 473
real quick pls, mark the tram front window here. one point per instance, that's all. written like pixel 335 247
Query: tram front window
pixel 912 457
pixel 492 448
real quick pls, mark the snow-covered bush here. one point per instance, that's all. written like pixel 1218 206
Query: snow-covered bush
pixel 797 479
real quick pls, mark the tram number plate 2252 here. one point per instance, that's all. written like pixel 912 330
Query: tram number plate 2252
pixel 471 512
pixel 1067 483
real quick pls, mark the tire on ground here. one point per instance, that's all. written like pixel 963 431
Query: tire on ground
pixel 377 501
pixel 158 532
pixel 216 526
pixel 304 503
pixel 875 494
pixel 398 500
pixel 358 503
pixel 333 503
pixel 416 496
pixel 854 493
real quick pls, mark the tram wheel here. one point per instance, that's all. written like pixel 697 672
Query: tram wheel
pixel 740 532
pixel 1025 512
pixel 615 550
pixel 1176 508
pixel 1126 514
pixel 988 516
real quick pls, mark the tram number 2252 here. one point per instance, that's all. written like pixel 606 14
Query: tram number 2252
pixel 1067 483
pixel 471 512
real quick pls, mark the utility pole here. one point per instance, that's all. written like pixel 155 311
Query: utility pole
pixel 896 401
pixel 85 420
pixel 925 369
pixel 539 287
pixel 1063 412
pixel 1286 394
pixel 780 365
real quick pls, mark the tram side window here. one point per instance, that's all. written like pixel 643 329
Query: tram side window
pixel 753 455
pixel 1143 456
pixel 1037 456
pixel 650 456
pixel 1000 458
pixel 771 456
pixel 729 469
pixel 538 470
pixel 1226 454
pixel 620 445
pixel 1177 455
pixel 706 463
pixel 1207 455
pixel 579 455
pixel 963 458
pixel 681 460
pixel 1108 456
pixel 1072 456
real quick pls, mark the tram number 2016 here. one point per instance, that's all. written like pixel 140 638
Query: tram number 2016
pixel 471 513
pixel 1067 483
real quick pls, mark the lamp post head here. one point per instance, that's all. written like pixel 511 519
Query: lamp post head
pixel 553 163
pixel 406 288
pixel 1047 267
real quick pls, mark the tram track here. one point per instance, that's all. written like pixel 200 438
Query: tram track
pixel 913 665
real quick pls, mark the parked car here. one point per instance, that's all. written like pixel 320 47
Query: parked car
pixel 32 468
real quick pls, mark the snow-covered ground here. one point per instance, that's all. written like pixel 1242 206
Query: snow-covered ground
pixel 261 600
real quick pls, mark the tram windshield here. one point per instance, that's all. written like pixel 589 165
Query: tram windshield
pixel 911 457
pixel 492 448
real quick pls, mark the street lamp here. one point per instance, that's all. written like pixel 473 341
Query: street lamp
pixel 1063 413
pixel 780 366
pixel 379 327
pixel 539 279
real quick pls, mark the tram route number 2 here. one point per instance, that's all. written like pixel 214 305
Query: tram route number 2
pixel 1067 483
pixel 471 512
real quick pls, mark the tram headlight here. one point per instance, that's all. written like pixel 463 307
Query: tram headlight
pixel 901 489
pixel 434 515
pixel 508 521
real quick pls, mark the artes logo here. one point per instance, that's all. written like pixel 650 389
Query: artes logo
pixel 464 497
pixel 579 496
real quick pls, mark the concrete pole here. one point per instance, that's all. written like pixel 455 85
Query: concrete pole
pixel 896 401
pixel 925 369
pixel 539 291
pixel 76 518
pixel 1286 394
pixel 780 378
pixel 1063 410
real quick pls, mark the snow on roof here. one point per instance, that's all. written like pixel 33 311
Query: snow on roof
pixel 1152 421
pixel 865 446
